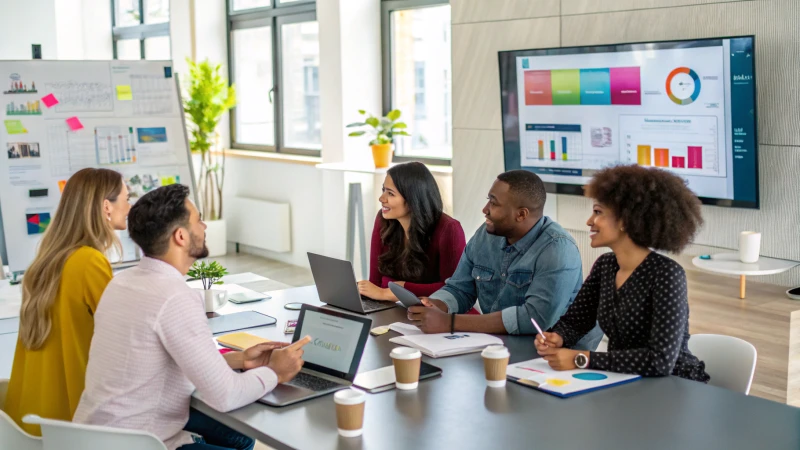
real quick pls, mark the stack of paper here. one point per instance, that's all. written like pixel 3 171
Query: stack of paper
pixel 446 344
pixel 405 329
pixel 538 374
pixel 240 340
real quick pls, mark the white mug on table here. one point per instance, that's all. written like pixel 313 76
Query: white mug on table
pixel 749 246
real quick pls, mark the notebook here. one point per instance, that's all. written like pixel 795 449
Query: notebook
pixel 240 340
pixel 537 374
pixel 446 344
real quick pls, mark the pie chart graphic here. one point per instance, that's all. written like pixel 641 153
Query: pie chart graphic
pixel 683 86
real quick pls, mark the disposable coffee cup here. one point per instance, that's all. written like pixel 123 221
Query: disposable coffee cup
pixel 406 367
pixel 495 363
pixel 350 412
pixel 749 246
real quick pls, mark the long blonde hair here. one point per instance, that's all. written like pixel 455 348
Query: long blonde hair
pixel 79 221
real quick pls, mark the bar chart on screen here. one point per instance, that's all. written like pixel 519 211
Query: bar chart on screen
pixel 552 142
pixel 685 144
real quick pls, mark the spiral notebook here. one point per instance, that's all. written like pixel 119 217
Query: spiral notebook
pixel 537 374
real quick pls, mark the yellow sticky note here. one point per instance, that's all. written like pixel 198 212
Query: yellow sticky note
pixel 124 92
pixel 15 127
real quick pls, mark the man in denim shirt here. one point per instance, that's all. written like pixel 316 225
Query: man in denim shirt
pixel 518 266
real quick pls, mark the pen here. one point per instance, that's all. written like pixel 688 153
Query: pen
pixel 539 329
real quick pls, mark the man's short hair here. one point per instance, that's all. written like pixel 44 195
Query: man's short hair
pixel 156 215
pixel 526 187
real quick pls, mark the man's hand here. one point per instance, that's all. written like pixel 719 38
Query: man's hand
pixel 258 355
pixel 434 303
pixel 368 289
pixel 430 318
pixel 287 362
pixel 563 359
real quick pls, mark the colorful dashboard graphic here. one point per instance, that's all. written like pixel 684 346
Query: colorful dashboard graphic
pixel 37 223
pixel 683 86
pixel 611 86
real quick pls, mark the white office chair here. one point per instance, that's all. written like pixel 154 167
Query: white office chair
pixel 11 434
pixel 61 435
pixel 730 361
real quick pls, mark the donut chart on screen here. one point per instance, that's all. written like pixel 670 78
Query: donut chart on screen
pixel 688 78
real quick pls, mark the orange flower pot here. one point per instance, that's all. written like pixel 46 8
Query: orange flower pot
pixel 382 155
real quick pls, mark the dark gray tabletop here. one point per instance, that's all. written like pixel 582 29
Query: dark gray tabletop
pixel 458 411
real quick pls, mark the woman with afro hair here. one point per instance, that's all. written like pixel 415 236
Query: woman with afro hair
pixel 638 296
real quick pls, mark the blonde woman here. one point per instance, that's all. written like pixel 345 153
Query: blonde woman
pixel 60 293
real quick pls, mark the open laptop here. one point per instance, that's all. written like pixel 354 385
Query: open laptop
pixel 337 286
pixel 331 358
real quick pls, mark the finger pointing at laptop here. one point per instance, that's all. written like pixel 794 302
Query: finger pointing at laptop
pixel 287 362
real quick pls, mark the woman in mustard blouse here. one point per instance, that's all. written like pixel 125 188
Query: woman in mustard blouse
pixel 60 292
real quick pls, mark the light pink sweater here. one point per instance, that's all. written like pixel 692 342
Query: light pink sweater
pixel 151 348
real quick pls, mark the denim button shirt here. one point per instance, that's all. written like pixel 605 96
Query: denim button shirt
pixel 536 277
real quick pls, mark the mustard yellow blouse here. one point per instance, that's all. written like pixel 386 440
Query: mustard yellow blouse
pixel 49 381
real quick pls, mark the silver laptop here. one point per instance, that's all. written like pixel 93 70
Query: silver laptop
pixel 331 358
pixel 337 286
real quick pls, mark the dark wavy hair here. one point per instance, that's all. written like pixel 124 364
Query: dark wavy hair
pixel 406 261
pixel 156 215
pixel 656 208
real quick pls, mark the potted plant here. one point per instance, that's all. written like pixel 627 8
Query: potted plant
pixel 384 129
pixel 207 99
pixel 210 274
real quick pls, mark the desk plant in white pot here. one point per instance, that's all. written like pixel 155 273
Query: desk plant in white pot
pixel 383 129
pixel 210 274
pixel 208 98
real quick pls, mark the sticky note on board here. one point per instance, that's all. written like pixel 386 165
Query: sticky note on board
pixel 49 100
pixel 167 72
pixel 15 127
pixel 124 92
pixel 74 124
pixel 61 185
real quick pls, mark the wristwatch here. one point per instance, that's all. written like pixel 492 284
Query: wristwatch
pixel 581 361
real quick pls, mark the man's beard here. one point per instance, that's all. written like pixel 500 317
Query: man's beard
pixel 198 250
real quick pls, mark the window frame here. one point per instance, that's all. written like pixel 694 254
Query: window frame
pixel 275 15
pixel 139 32
pixel 387 8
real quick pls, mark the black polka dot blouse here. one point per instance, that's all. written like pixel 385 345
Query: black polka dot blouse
pixel 646 320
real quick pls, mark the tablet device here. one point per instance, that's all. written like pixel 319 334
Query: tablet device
pixel 406 297
pixel 247 297
pixel 383 379
pixel 239 321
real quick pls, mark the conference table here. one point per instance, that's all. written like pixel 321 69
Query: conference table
pixel 458 411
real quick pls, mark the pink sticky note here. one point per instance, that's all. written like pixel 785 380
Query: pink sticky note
pixel 49 100
pixel 74 124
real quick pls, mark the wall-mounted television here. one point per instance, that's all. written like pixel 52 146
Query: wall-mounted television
pixel 684 106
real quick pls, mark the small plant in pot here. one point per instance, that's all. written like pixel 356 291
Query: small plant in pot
pixel 210 274
pixel 383 129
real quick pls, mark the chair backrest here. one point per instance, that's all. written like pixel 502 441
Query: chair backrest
pixel 11 435
pixel 61 435
pixel 730 361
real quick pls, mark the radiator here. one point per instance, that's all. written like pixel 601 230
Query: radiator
pixel 259 223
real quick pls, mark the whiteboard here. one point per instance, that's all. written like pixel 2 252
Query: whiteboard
pixel 132 122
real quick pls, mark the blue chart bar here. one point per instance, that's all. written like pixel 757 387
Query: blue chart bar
pixel 564 147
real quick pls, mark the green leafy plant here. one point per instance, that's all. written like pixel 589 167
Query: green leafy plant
pixel 209 273
pixel 384 129
pixel 208 97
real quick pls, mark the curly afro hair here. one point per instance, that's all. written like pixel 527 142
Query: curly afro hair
pixel 656 208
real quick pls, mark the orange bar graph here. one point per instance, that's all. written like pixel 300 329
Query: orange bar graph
pixel 662 157
pixel 541 149
pixel 644 155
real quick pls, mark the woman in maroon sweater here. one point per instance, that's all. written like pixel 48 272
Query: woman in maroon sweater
pixel 414 243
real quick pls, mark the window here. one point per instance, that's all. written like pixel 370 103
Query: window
pixel 417 68
pixel 275 65
pixel 141 29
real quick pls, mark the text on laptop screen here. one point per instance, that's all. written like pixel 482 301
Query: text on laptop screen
pixel 334 340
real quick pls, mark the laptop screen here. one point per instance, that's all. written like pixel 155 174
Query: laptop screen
pixel 334 340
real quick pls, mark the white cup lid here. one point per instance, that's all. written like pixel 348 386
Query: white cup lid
pixel 495 351
pixel 405 353
pixel 349 397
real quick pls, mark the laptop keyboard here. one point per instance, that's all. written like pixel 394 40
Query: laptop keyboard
pixel 316 384
pixel 373 305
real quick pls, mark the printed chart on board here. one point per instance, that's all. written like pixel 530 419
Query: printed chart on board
pixel 64 116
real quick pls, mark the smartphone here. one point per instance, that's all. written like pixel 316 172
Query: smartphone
pixel 406 297
pixel 383 379
pixel 247 297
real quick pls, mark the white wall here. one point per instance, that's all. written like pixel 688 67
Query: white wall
pixel 23 23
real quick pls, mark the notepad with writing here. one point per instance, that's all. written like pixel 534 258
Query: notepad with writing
pixel 240 340
pixel 447 344
pixel 537 374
